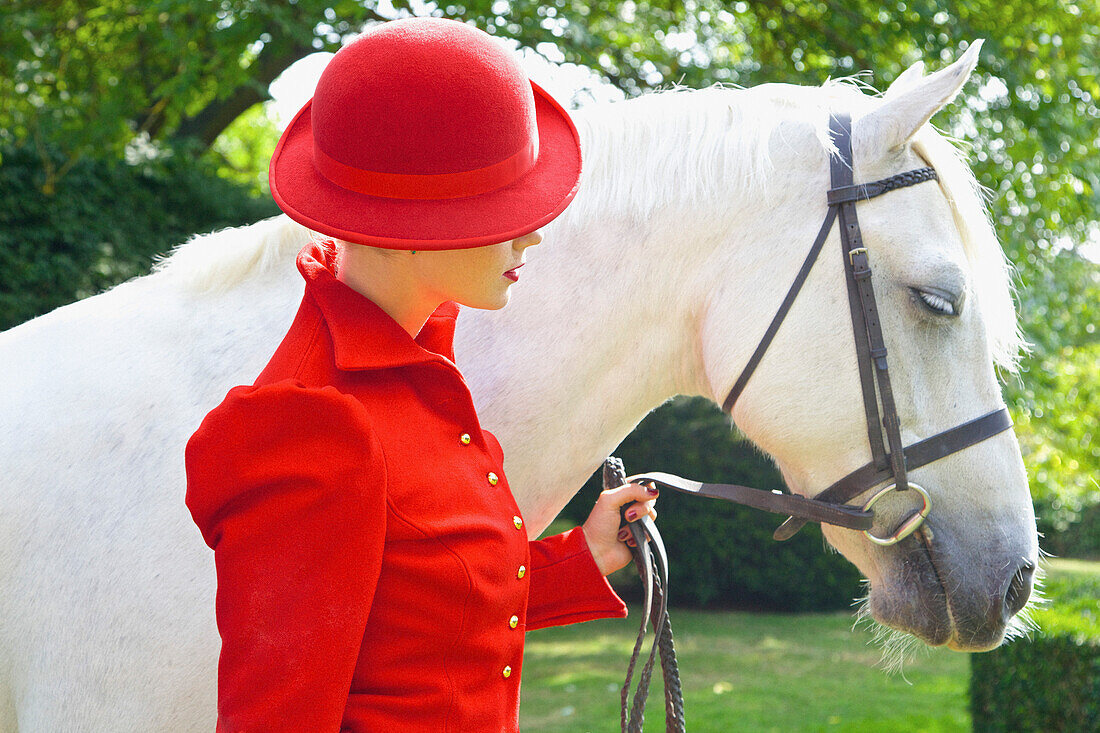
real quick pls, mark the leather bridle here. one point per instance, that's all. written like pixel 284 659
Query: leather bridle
pixel 890 460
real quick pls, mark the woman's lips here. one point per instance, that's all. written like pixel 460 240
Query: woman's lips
pixel 512 274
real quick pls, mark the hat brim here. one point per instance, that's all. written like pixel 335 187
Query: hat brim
pixel 529 202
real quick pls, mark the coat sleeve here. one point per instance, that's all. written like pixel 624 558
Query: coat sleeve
pixel 287 485
pixel 566 585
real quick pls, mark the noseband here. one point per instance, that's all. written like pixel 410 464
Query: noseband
pixel 890 460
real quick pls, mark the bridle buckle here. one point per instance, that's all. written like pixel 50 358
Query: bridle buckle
pixel 906 528
pixel 853 252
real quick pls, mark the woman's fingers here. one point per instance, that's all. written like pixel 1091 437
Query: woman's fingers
pixel 634 512
pixel 640 509
pixel 626 493
pixel 602 531
pixel 620 495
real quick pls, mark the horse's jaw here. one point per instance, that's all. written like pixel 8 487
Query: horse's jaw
pixel 965 589
pixel 910 597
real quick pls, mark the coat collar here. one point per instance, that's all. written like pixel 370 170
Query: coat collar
pixel 363 335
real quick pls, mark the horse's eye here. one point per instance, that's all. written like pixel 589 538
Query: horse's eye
pixel 939 302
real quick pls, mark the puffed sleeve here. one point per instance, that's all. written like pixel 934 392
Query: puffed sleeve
pixel 566 585
pixel 287 485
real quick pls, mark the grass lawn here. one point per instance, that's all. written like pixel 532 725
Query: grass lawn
pixel 1064 566
pixel 744 672
pixel 752 672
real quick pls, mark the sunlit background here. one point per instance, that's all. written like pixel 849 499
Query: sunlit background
pixel 126 127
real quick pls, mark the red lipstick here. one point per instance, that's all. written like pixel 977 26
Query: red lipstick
pixel 512 274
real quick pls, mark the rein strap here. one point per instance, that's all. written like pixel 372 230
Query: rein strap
pixel 815 510
pixel 916 455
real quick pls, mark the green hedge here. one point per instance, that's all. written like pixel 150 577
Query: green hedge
pixel 1080 539
pixel 103 225
pixel 722 554
pixel 1052 681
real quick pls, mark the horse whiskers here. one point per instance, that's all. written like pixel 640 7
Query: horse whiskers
pixel 897 647
pixel 1023 623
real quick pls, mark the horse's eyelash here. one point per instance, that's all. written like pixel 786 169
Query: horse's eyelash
pixel 936 302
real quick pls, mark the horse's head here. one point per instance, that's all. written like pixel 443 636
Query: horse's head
pixel 945 304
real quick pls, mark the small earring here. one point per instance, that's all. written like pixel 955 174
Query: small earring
pixel 414 251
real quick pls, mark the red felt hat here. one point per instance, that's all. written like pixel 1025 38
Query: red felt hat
pixel 425 133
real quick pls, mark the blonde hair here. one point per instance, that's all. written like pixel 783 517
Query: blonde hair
pixel 338 244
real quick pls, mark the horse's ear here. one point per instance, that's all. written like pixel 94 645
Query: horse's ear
pixel 905 80
pixel 916 99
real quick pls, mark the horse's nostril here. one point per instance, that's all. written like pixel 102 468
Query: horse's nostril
pixel 1019 590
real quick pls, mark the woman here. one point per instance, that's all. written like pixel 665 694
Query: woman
pixel 374 571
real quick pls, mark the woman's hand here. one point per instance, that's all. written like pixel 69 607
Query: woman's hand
pixel 601 529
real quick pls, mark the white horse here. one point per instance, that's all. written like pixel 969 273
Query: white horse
pixel 695 212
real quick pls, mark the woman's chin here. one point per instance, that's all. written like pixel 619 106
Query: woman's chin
pixel 492 302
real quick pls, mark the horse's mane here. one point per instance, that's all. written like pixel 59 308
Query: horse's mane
pixel 682 130
pixel 717 141
pixel 701 145
pixel 223 259
pixel 992 272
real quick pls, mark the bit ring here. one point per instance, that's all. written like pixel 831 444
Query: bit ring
pixel 906 528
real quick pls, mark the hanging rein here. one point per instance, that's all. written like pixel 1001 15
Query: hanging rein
pixel 890 460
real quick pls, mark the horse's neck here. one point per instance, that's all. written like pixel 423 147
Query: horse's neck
pixel 579 356
pixel 606 325
pixel 603 328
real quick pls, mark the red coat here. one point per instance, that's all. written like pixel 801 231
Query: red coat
pixel 374 573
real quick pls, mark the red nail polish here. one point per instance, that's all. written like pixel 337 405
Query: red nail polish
pixel 624 533
pixel 653 490
pixel 631 515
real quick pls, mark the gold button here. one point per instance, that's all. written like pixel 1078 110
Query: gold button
pixel 465 439
pixel 492 479
pixel 521 572
pixel 513 622
pixel 517 521
pixel 507 672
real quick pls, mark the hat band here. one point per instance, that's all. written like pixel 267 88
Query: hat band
pixel 431 185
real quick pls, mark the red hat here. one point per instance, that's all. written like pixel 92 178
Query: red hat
pixel 425 133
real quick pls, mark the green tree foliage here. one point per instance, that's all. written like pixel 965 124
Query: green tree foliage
pixel 89 77
pixel 105 224
pixel 86 80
